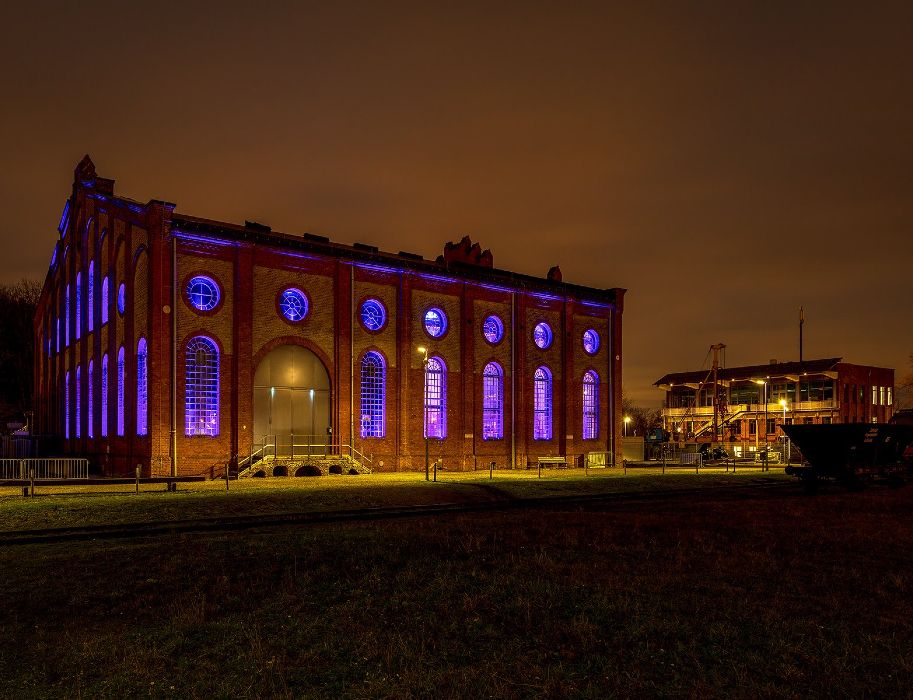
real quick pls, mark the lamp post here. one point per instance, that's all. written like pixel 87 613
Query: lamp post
pixel 424 352
pixel 627 420
pixel 758 432
pixel 785 439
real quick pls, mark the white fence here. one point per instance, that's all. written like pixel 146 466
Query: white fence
pixel 44 468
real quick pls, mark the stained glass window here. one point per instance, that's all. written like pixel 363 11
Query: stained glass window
pixel 591 341
pixel 77 392
pixel 90 298
pixel 141 387
pixel 66 405
pixel 203 293
pixel 542 335
pixel 373 315
pixel 493 329
pixel 201 406
pixel 66 319
pixel 435 322
pixel 373 390
pixel 492 402
pixel 121 379
pixel 542 404
pixel 104 395
pixel 78 307
pixel 121 298
pixel 90 406
pixel 105 300
pixel 435 398
pixel 590 406
pixel 294 304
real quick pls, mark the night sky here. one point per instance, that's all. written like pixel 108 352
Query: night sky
pixel 725 162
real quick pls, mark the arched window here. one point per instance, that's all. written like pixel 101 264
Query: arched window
pixel 66 319
pixel 90 298
pixel 78 308
pixel 57 332
pixel 542 404
pixel 435 398
pixel 104 395
pixel 121 378
pixel 90 413
pixel 201 407
pixel 590 406
pixel 66 405
pixel 492 402
pixel 141 385
pixel 77 392
pixel 373 392
pixel 105 300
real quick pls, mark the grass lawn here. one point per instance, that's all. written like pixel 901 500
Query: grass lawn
pixel 782 595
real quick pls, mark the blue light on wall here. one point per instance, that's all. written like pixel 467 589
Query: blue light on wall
pixel 373 315
pixel 294 304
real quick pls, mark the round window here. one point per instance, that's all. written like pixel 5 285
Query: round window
pixel 294 304
pixel 435 322
pixel 542 335
pixel 591 341
pixel 203 293
pixel 121 299
pixel 493 329
pixel 373 315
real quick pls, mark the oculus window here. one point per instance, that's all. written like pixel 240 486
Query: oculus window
pixel 373 315
pixel 591 341
pixel 294 304
pixel 542 335
pixel 435 322
pixel 203 293
pixel 493 329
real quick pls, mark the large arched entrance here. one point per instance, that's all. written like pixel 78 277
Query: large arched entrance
pixel 292 402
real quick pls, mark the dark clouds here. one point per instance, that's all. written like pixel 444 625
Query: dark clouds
pixel 726 162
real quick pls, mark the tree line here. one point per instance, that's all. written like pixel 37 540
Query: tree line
pixel 18 302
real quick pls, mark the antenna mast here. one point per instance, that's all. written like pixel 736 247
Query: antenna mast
pixel 801 321
pixel 716 390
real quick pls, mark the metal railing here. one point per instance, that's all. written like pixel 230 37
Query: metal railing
pixel 39 468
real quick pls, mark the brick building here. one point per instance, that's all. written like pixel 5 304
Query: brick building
pixel 185 345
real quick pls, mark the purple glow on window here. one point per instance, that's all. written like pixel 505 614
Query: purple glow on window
pixel 104 395
pixel 90 298
pixel 493 329
pixel 435 322
pixel 66 405
pixel 78 306
pixel 90 413
pixel 373 315
pixel 591 341
pixel 203 293
pixel 121 378
pixel 373 390
pixel 66 318
pixel 542 335
pixel 105 300
pixel 294 304
pixel 542 404
pixel 590 406
pixel 492 402
pixel 141 387
pixel 121 298
pixel 201 406
pixel 64 219
pixel 77 392
pixel 435 399
pixel 57 332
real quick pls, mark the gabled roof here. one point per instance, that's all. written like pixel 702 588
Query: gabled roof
pixel 777 369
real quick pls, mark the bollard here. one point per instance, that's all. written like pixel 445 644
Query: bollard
pixel 226 477
pixel 435 470
pixel 25 491
pixel 32 481
pixel 138 467
pixel 491 470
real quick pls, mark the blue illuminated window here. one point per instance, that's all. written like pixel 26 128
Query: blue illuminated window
pixel 121 380
pixel 542 404
pixel 590 406
pixel 121 298
pixel 492 402
pixel 294 304
pixel 105 300
pixel 373 390
pixel 203 293
pixel 591 341
pixel 57 332
pixel 435 322
pixel 435 399
pixel 77 392
pixel 78 306
pixel 201 405
pixel 66 405
pixel 104 395
pixel 373 315
pixel 90 298
pixel 90 406
pixel 493 329
pixel 66 319
pixel 141 387
pixel 542 335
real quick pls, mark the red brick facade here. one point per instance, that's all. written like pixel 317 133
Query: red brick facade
pixel 155 252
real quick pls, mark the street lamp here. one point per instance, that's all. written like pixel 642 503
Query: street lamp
pixel 627 420
pixel 785 439
pixel 758 432
pixel 424 351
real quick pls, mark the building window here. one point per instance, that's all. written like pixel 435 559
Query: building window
pixel 104 396
pixel 890 396
pixel 66 318
pixel 78 392
pixel 90 298
pixel 373 315
pixel 203 293
pixel 492 402
pixel 771 426
pixel 881 396
pixel 591 341
pixel 141 387
pixel 493 330
pixel 121 378
pixel 66 405
pixel 105 300
pixel 121 298
pixel 57 332
pixel 753 427
pixel 542 404
pixel 78 307
pixel 90 406
pixel 201 407
pixel 435 322
pixel 826 420
pixel 590 406
pixel 435 399
pixel 294 304
pixel 373 391
pixel 542 335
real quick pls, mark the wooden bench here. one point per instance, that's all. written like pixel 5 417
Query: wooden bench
pixel 551 461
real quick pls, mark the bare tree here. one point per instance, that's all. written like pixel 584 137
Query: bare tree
pixel 643 420
pixel 17 347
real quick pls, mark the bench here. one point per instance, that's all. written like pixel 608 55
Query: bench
pixel 551 462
